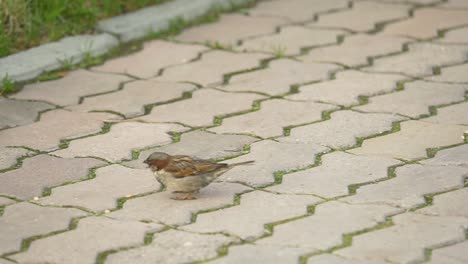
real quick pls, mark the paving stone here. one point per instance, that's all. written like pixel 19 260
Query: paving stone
pixel 343 129
pixel 426 22
pixel 162 54
pixel 202 108
pixel 455 73
pixel 5 201
pixel 4 261
pixel 270 157
pixel 199 144
pixel 230 29
pixel 404 242
pixel 364 16
pixel 54 126
pixel 44 171
pixel 290 40
pixel 129 135
pixel 347 87
pixel 324 230
pixel 31 63
pixel 416 98
pixel 448 204
pixel 412 182
pixel 130 101
pixel 239 221
pixel 333 259
pixel 455 4
pixel 71 88
pixel 278 77
pixel 456 156
pixel 412 140
pixel 458 35
pixel 356 49
pixel 420 59
pixel 9 156
pixel 455 254
pixel 174 246
pixel 211 67
pixel 23 220
pixel 18 113
pixel 93 235
pixel 101 193
pixel 159 207
pixel 452 114
pixel 337 171
pixel 296 10
pixel 272 117
pixel 250 253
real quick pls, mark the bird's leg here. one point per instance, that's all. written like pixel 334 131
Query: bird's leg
pixel 184 195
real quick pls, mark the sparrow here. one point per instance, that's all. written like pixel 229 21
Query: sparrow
pixel 186 175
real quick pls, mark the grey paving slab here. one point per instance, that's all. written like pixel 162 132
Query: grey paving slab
pixel 426 22
pixel 343 129
pixel 24 220
pixel 458 35
pixel 71 88
pixel 273 116
pixel 337 171
pixel 202 108
pixel 278 77
pixel 404 242
pixel 448 204
pixel 159 207
pixel 347 87
pixel 270 157
pixel 230 29
pixel 43 171
pixel 252 253
pixel 324 230
pixel 356 49
pixel 31 63
pixel 363 16
pixel 4 261
pixel 174 246
pixel 457 156
pixel 211 67
pixel 18 113
pixel 162 54
pixel 452 114
pixel 412 141
pixel 451 254
pixel 5 201
pixel 451 74
pixel 416 98
pixel 130 101
pixel 297 10
pixel 334 259
pixel 412 182
pixel 54 126
pixel 420 59
pixel 92 236
pixel 129 135
pixel 239 221
pixel 9 156
pixel 199 144
pixel 101 193
pixel 290 40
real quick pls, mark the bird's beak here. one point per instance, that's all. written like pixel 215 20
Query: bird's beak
pixel 146 161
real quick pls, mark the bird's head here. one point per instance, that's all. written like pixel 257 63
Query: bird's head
pixel 157 160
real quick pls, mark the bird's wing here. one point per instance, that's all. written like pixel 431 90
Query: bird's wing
pixel 183 166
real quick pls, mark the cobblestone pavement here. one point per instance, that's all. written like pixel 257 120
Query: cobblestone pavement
pixel 355 112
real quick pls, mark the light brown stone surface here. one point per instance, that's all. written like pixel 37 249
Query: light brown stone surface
pixel 70 89
pixel 250 253
pixel 458 35
pixel 448 204
pixel 202 108
pixel 279 75
pixel 43 171
pixel 456 156
pixel 230 29
pixel 273 116
pixel 211 67
pixel 9 156
pixel 455 73
pixel 412 140
pixel 455 254
pixel 451 115
pixel 122 138
pixel 347 87
pixel 155 56
pixel 18 113
pixel 363 16
pixel 290 40
pixel 426 22
pixel 6 201
pixel 334 259
pixel 130 101
pixel 356 49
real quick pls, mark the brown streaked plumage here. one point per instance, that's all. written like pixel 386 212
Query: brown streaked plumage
pixel 185 175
